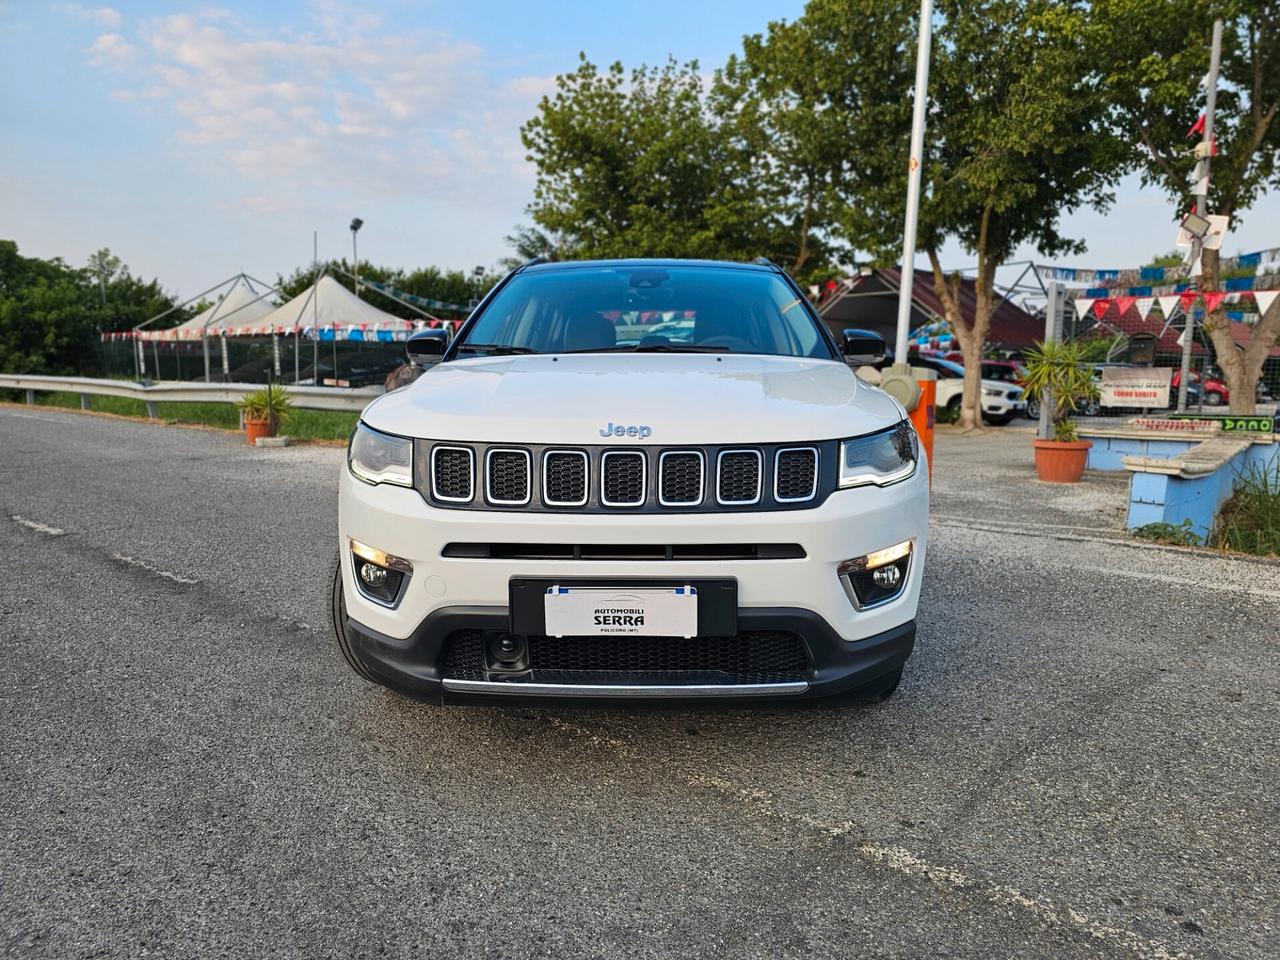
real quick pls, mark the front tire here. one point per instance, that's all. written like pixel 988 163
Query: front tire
pixel 338 611
pixel 1213 399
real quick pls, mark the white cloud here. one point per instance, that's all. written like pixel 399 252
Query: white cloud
pixel 107 18
pixel 111 50
pixel 349 104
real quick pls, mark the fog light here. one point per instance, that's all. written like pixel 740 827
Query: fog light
pixel 379 576
pixel 886 577
pixel 373 576
pixel 878 576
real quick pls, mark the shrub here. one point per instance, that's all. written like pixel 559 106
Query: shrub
pixel 1250 521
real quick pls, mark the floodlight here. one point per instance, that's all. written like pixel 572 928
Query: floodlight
pixel 1196 226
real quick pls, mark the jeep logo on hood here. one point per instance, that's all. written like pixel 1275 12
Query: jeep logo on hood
pixel 618 430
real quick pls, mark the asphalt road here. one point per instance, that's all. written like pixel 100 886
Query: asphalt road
pixel 1081 762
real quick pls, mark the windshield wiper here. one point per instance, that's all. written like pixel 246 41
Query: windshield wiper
pixel 653 348
pixel 496 349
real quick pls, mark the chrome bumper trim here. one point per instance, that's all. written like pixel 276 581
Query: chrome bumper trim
pixel 509 688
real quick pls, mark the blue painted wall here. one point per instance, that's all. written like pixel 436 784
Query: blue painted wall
pixel 1160 498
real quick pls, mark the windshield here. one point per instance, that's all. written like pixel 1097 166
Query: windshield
pixel 639 308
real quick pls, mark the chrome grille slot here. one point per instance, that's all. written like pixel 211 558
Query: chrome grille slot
pixel 452 473
pixel 738 477
pixel 507 480
pixel 795 474
pixel 680 478
pixel 622 478
pixel 564 478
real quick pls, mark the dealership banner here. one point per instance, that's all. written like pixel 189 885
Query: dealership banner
pixel 1135 386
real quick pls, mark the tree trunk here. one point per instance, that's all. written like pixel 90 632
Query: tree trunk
pixel 1241 368
pixel 948 291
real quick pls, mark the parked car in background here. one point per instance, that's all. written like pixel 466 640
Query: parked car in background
pixel 1002 399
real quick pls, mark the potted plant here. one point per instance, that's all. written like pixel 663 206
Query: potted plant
pixel 1057 375
pixel 263 411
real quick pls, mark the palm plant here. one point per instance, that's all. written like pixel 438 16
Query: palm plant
pixel 271 403
pixel 1057 373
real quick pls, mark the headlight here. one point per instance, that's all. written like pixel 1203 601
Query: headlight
pixel 992 392
pixel 882 458
pixel 380 458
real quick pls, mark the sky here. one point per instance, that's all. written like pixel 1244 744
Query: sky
pixel 196 141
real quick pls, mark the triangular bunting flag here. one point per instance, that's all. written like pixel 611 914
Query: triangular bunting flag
pixel 1124 303
pixel 1185 300
pixel 1264 299
pixel 1212 299
pixel 1083 305
pixel 1144 305
pixel 1101 307
pixel 1168 305
pixel 1197 128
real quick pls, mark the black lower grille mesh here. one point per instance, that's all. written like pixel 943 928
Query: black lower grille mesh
pixel 797 471
pixel 753 656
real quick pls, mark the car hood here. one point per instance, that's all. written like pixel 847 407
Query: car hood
pixel 681 398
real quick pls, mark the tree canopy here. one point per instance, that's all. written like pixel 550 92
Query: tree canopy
pixel 51 313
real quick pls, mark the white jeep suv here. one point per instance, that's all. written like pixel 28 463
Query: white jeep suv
pixel 634 479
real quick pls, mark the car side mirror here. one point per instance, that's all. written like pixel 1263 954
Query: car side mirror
pixel 426 347
pixel 863 347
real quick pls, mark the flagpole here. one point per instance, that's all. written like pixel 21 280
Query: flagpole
pixel 1202 201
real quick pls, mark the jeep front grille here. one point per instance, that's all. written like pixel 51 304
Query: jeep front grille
pixel 606 478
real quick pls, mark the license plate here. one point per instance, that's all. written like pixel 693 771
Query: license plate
pixel 621 611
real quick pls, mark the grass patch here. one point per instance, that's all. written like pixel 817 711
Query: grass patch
pixel 1181 534
pixel 303 424
pixel 1250 521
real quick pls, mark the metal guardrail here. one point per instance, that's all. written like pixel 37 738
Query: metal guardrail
pixel 307 398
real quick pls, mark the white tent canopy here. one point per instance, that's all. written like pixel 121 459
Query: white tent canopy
pixel 326 310
pixel 240 306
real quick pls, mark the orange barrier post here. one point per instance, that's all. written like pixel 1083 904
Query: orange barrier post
pixel 922 417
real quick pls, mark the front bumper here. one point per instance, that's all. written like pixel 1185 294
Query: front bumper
pixel 413 666
pixel 847 645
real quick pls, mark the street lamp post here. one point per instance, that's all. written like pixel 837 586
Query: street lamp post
pixel 356 224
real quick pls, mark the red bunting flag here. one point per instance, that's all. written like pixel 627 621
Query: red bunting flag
pixel 1212 299
pixel 1101 307
pixel 1124 303
pixel 1197 128
pixel 1185 300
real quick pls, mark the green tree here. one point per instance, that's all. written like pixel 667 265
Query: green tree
pixel 650 163
pixel 1154 57
pixel 1016 137
pixel 798 102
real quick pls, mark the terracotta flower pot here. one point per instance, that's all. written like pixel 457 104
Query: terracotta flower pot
pixel 1059 462
pixel 253 429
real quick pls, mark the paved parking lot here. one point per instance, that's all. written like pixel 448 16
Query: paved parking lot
pixel 1081 761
